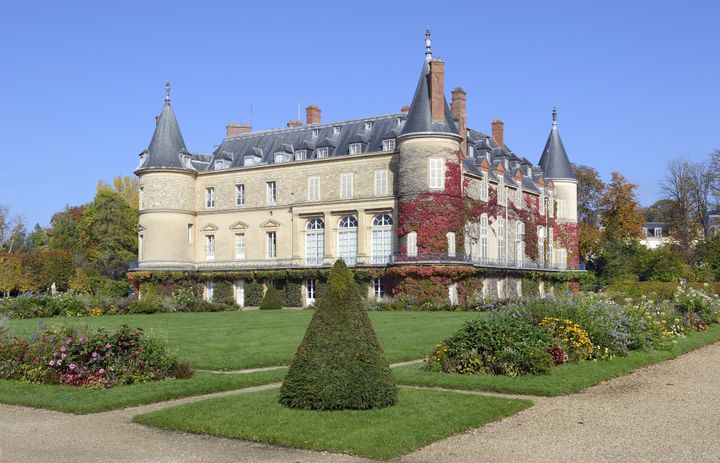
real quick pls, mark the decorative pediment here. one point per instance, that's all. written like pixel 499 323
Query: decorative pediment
pixel 484 164
pixel 239 225
pixel 270 224
pixel 209 227
pixel 518 175
pixel 140 228
pixel 500 168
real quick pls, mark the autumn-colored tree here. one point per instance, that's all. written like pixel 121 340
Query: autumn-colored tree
pixel 64 234
pixel 590 188
pixel 621 213
pixel 126 187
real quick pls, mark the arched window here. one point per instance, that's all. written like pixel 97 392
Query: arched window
pixel 520 243
pixel 412 244
pixel 483 237
pixel 347 239
pixel 381 239
pixel 315 242
pixel 541 245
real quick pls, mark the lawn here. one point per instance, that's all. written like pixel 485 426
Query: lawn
pixel 248 339
pixel 420 418
pixel 561 380
pixel 81 401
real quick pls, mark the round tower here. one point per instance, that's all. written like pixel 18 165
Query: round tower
pixel 166 178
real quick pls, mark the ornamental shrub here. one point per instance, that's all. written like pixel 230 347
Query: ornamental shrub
pixel 570 337
pixel 496 344
pixel 340 363
pixel 271 301
pixel 253 293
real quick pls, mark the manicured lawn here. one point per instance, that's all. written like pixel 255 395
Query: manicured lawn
pixel 420 418
pixel 561 380
pixel 82 401
pixel 236 340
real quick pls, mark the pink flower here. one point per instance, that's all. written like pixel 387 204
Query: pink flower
pixel 63 356
pixel 107 346
pixel 101 371
pixel 81 339
pixel 68 341
pixel 95 354
pixel 51 363
pixel 72 366
pixel 55 354
pixel 59 362
pixel 62 349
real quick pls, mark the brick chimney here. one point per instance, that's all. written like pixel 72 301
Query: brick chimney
pixel 437 90
pixel 498 132
pixel 237 128
pixel 458 107
pixel 312 115
pixel 294 123
pixel 405 108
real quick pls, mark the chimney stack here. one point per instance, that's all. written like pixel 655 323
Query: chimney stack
pixel 405 108
pixel 237 128
pixel 458 107
pixel 312 115
pixel 498 132
pixel 437 90
pixel 294 123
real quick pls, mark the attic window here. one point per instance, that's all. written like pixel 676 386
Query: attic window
pixel 471 151
pixel 389 144
pixel 323 152
pixel 280 156
pixel 300 155
pixel 336 130
pixel 316 133
pixel 355 148
pixel 219 164
pixel 398 120
pixel 368 125
pixel 186 158
pixel 250 160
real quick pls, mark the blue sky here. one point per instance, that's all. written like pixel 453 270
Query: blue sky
pixel 635 83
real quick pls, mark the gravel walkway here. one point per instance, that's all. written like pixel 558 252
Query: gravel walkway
pixel 663 413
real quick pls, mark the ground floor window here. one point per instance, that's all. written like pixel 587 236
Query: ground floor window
pixel 240 293
pixel 378 288
pixel 310 289
pixel 209 290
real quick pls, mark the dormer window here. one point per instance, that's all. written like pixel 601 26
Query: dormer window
pixel 355 148
pixel 316 133
pixel 336 130
pixel 368 125
pixel 219 164
pixel 389 144
pixel 323 152
pixel 186 159
pixel 471 151
pixel 250 160
pixel 280 157
pixel 398 120
pixel 300 155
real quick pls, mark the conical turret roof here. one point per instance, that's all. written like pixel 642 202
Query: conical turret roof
pixel 167 143
pixel 419 118
pixel 554 160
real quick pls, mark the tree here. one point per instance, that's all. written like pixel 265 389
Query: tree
pixel 271 300
pixel 64 233
pixel 109 232
pixel 126 187
pixel 12 231
pixel 340 363
pixel 680 187
pixel 621 217
pixel 37 240
pixel 590 188
pixel 659 211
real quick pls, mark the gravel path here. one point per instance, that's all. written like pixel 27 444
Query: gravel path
pixel 665 412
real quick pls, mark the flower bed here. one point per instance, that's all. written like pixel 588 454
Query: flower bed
pixel 576 328
pixel 81 357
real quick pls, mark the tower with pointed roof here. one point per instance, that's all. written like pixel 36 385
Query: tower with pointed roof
pixel 166 178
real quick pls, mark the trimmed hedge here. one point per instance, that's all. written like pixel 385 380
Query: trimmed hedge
pixel 271 301
pixel 340 363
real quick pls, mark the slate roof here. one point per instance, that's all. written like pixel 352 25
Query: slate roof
pixel 167 145
pixel 554 160
pixel 419 118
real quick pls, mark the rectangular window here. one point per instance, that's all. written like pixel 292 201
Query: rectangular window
pixel 240 194
pixel 346 185
pixel 378 288
pixel 311 290
pixel 412 244
pixel 209 197
pixel 316 133
pixel 561 258
pixel 501 194
pixel 141 238
pixel 368 125
pixel 541 203
pixel 271 193
pixel 381 182
pixel 437 173
pixel 336 130
pixel 389 144
pixel 209 290
pixel 141 197
pixel 219 164
pixel 190 233
pixel 280 157
pixel 355 148
pixel 501 238
pixel 271 245
pixel 561 208
pixel 658 232
pixel 250 161
pixel 240 293
pixel 313 188
pixel 240 246
pixel 210 247
pixel 300 155
pixel 484 188
pixel 323 152
pixel 518 197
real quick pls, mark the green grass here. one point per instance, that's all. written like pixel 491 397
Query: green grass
pixel 561 380
pixel 420 418
pixel 81 401
pixel 248 339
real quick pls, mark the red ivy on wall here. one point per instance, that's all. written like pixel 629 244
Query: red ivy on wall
pixel 566 234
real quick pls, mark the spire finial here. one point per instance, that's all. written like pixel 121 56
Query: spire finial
pixel 554 113
pixel 428 42
pixel 167 91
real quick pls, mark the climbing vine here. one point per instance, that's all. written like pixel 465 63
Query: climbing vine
pixel 566 235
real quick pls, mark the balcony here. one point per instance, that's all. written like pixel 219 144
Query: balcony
pixel 445 259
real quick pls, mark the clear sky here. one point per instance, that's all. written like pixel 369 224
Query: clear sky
pixel 635 82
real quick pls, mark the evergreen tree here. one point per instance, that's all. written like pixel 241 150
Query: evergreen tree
pixel 271 300
pixel 340 363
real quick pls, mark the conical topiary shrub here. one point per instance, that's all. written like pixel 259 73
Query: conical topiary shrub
pixel 271 300
pixel 340 363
